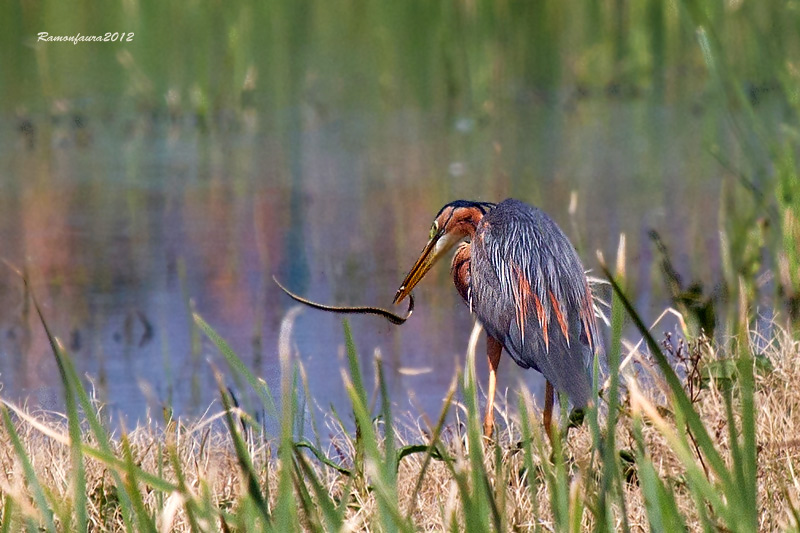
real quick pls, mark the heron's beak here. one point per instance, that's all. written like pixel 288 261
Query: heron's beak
pixel 438 246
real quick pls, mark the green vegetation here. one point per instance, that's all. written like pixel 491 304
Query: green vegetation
pixel 210 58
pixel 684 452
pixel 707 442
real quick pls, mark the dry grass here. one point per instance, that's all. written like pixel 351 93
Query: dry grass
pixel 209 465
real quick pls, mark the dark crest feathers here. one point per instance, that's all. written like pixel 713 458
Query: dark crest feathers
pixel 484 207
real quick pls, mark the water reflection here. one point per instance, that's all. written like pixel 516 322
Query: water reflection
pixel 125 229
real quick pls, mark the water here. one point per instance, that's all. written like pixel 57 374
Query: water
pixel 125 221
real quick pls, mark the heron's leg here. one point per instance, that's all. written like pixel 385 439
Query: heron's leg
pixel 493 349
pixel 549 396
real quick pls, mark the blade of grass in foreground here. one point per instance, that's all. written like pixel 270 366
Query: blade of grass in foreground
pixel 731 502
pixel 73 424
pixel 144 521
pixel 183 487
pixel 680 397
pixel 75 438
pixel 71 383
pixel 285 511
pixel 333 515
pixel 242 455
pixel 262 389
pixel 477 496
pixel 8 514
pixel 525 408
pixel 612 492
pixel 258 385
pixel 30 474
pixel 390 464
pixel 706 496
pixel 305 503
pixel 748 468
pixel 310 402
pixel 662 510
pixel 383 485
pixel 555 475
pixel 74 427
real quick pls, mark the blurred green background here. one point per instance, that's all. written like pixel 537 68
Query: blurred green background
pixel 212 58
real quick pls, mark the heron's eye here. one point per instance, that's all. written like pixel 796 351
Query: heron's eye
pixel 434 229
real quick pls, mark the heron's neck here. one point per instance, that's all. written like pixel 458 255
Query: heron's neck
pixel 460 271
pixel 468 222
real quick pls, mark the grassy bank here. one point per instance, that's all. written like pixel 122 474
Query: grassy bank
pixel 710 447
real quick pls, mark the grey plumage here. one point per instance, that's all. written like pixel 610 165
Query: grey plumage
pixel 528 289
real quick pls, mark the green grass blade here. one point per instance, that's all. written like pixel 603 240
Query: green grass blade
pixel 72 383
pixel 333 515
pixel 679 395
pixel 558 482
pixel 259 385
pixel 74 428
pixel 662 509
pixel 352 361
pixel 30 474
pixel 724 495
pixel 310 402
pixel 477 513
pixel 144 521
pixel 389 464
pixel 527 450
pixel 285 511
pixel 306 504
pixel 242 455
pixel 7 518
pixel 576 507
pixel 749 453
pixel 322 458
pixel 390 517
pixel 389 445
pixel 611 484
pixel 737 466
pixel 177 466
pixel 73 422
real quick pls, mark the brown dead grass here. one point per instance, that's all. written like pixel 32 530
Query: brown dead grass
pixel 210 467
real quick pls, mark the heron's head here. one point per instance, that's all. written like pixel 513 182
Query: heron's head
pixel 455 221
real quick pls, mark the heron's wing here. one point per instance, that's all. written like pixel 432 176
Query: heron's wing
pixel 530 292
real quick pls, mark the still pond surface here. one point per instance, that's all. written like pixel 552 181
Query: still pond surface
pixel 125 222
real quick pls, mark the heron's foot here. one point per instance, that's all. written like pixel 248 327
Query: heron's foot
pixel 574 421
pixel 576 418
